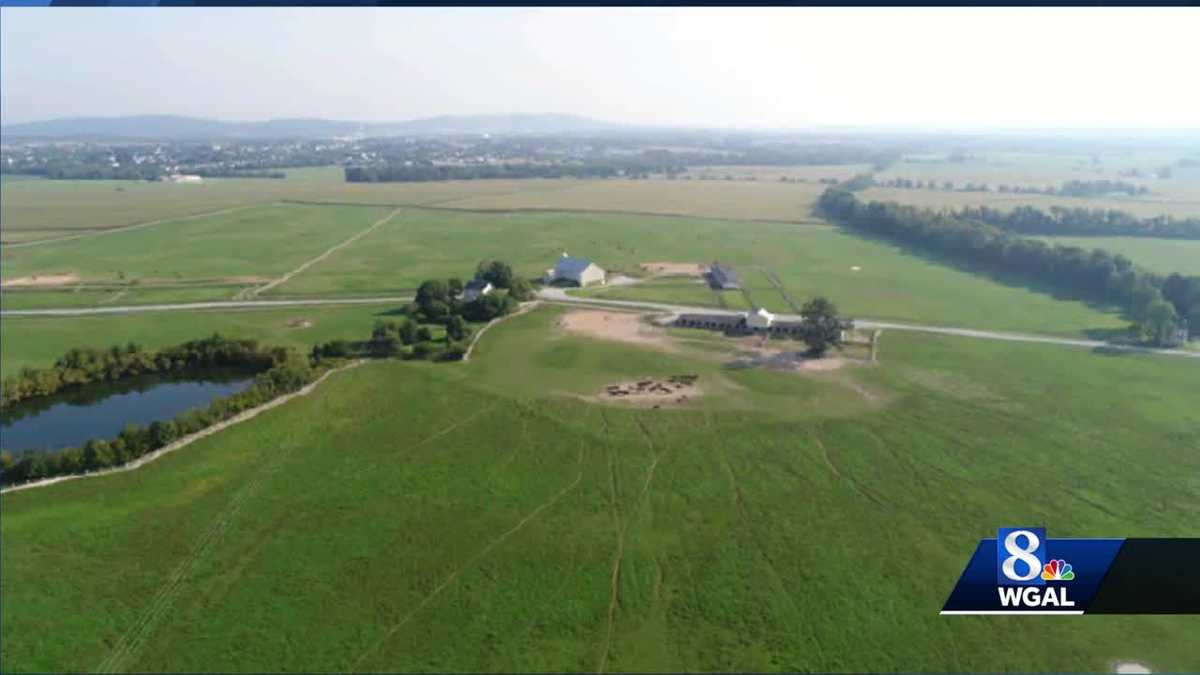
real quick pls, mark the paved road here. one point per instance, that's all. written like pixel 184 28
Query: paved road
pixel 222 304
pixel 560 296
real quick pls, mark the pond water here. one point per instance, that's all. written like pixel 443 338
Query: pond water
pixel 103 409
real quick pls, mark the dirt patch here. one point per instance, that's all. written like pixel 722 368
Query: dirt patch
pixel 616 326
pixel 299 323
pixel 41 281
pixel 674 391
pixel 674 269
pixel 755 352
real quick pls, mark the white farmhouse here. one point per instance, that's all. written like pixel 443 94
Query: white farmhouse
pixel 580 271
pixel 759 319
pixel 475 289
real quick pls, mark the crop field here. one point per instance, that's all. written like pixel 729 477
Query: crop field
pixel 1177 196
pixel 1159 255
pixel 255 243
pixel 37 342
pixel 736 200
pixel 483 517
pixel 47 209
pixel 670 290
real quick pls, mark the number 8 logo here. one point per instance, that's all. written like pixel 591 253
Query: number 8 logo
pixel 1025 554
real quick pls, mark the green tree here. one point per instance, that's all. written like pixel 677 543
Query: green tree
pixel 408 332
pixel 431 291
pixel 520 289
pixel 456 328
pixel 424 334
pixel 454 286
pixel 820 327
pixel 499 273
pixel 1161 323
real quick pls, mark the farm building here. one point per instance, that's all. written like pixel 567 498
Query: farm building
pixel 475 289
pixel 579 271
pixel 723 277
pixel 760 319
pixel 746 323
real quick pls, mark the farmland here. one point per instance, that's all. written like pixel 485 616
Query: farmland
pixel 499 515
pixel 1159 255
pixel 809 259
pixel 37 342
pixel 465 534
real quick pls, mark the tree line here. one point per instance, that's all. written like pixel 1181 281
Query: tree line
pixel 1071 188
pixel 1061 220
pixel 1158 306
pixel 280 371
pixel 83 366
pixel 416 173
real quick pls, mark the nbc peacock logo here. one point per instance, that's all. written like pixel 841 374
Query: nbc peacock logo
pixel 1058 570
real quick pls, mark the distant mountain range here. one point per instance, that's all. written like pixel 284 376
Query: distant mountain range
pixel 180 128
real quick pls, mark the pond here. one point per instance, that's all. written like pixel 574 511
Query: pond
pixel 104 409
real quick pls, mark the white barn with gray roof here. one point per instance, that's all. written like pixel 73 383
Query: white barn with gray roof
pixel 579 271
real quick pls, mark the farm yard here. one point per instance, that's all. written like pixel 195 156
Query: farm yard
pixel 594 490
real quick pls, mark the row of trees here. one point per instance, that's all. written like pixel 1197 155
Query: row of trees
pixel 1095 274
pixel 416 173
pixel 287 372
pixel 1071 188
pixel 81 366
pixel 1077 221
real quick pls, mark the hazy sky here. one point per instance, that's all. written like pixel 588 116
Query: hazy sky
pixel 761 67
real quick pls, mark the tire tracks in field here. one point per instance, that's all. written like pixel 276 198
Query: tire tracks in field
pixel 622 530
pixel 253 292
pixel 744 515
pixel 619 554
pixel 471 562
pixel 862 490
pixel 135 226
pixel 133 640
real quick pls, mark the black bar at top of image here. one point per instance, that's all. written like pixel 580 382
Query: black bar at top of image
pixel 1152 576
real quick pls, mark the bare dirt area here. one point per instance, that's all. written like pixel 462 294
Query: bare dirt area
pixel 617 326
pixel 685 269
pixel 754 352
pixel 652 392
pixel 41 281
pixel 299 323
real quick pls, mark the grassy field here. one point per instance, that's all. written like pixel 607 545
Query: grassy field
pixel 44 209
pixel 478 517
pixel 1160 255
pixel 262 242
pixel 809 259
pixel 1178 196
pixel 37 342
pixel 740 200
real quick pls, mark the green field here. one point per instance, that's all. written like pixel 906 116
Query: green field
pixel 38 342
pixel 1160 255
pixel 45 209
pixel 478 517
pixel 263 242
pixel 741 200
pixel 809 259
pixel 1178 196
